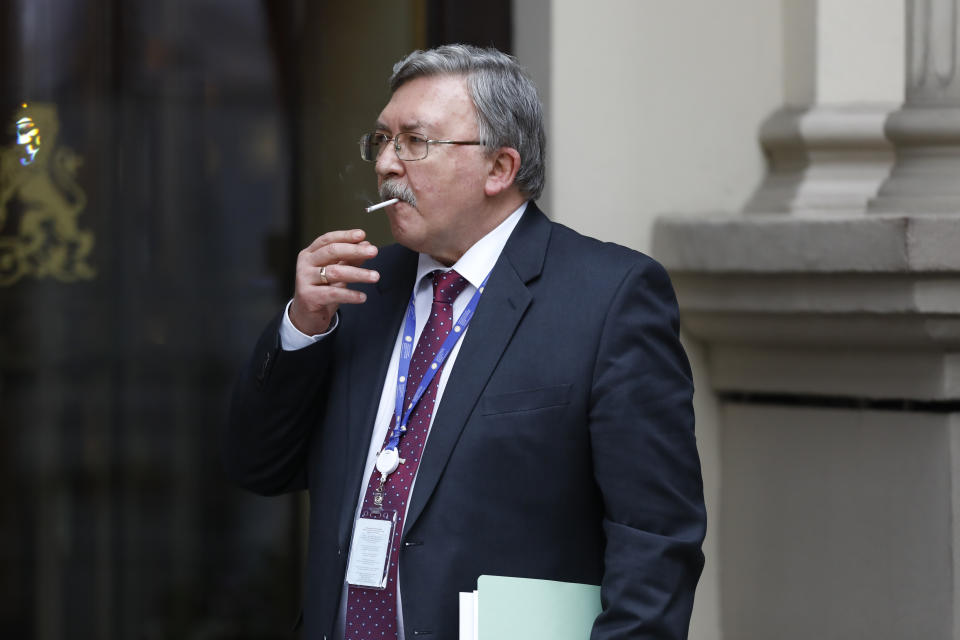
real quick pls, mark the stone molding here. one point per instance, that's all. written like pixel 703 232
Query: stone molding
pixel 836 305
pixel 768 244
pixel 925 177
pixel 826 158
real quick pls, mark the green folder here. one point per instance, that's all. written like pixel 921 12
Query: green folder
pixel 527 609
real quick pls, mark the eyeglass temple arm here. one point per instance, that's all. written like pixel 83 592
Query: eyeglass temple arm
pixel 454 142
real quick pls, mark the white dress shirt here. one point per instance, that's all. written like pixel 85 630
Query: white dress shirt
pixel 474 266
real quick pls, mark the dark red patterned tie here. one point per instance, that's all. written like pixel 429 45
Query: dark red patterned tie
pixel 372 613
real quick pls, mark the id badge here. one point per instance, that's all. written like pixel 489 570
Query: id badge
pixel 370 549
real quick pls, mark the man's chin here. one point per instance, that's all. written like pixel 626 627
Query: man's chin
pixel 402 231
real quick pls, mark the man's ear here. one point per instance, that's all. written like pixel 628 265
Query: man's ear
pixel 506 164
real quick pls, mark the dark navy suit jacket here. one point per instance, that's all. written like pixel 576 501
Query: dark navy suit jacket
pixel 563 447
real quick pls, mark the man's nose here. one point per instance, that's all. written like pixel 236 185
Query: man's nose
pixel 388 164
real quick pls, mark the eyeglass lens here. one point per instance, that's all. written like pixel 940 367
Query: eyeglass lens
pixel 411 146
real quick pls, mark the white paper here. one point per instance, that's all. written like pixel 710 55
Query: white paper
pixel 468 615
pixel 368 553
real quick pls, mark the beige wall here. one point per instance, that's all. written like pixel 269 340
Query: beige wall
pixel 656 107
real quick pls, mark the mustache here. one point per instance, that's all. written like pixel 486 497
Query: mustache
pixel 397 189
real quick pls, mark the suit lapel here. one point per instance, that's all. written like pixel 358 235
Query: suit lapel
pixel 504 302
pixel 378 322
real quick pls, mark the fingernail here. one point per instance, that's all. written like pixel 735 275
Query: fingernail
pixel 358 234
pixel 374 276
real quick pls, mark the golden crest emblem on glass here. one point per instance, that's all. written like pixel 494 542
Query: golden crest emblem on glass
pixel 41 203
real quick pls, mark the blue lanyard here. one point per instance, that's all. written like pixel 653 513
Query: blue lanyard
pixel 401 416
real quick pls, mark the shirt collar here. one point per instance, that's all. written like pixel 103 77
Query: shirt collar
pixel 476 263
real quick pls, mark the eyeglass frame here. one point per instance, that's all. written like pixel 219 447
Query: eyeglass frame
pixel 396 144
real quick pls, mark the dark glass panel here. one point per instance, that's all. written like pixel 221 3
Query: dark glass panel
pixel 145 237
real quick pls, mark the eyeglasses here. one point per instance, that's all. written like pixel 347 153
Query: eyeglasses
pixel 409 146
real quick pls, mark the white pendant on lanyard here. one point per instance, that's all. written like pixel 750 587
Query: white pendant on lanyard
pixel 388 461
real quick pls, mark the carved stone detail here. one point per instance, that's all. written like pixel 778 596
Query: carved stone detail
pixel 824 159
pixel 932 53
pixel 926 132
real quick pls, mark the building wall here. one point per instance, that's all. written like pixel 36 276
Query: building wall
pixel 654 108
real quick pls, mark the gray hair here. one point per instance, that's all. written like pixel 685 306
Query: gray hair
pixel 509 112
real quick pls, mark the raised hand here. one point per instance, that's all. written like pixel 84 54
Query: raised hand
pixel 324 269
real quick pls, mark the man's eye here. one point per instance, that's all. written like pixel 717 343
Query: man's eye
pixel 380 138
pixel 416 140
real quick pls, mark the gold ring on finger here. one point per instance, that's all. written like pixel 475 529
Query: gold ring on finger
pixel 323 276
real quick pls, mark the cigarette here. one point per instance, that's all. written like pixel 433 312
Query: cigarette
pixel 381 205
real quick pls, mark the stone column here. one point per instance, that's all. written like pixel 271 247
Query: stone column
pixel 926 131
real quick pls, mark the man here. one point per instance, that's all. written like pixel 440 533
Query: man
pixel 547 427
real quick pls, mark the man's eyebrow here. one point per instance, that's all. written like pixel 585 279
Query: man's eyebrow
pixel 413 125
